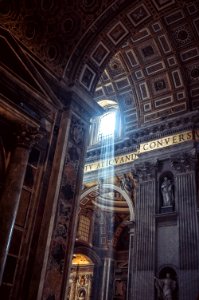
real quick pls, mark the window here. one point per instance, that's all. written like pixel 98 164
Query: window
pixel 83 229
pixel 107 125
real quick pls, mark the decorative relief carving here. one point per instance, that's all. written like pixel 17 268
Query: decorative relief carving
pixel 115 67
pixel 100 53
pixel 66 203
pixel 184 162
pixel 193 73
pixel 117 33
pixel 128 183
pixel 168 126
pixel 183 35
pixel 145 171
pixel 27 136
pixel 87 77
pixel 138 15
pixel 77 132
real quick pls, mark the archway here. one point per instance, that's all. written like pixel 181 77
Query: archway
pixel 112 187
pixel 81 276
pixel 105 213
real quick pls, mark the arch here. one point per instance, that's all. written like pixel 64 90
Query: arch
pixel 153 86
pixel 90 253
pixel 114 188
pixel 120 15
pixel 167 268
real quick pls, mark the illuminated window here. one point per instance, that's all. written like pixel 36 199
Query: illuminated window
pixel 107 125
pixel 83 229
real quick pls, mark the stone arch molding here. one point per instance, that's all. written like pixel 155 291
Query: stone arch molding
pixel 90 253
pixel 117 189
pixel 119 26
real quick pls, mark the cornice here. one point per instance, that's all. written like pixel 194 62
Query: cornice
pixel 167 127
pixel 188 121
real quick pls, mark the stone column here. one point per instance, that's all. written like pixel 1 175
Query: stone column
pixel 143 256
pixel 184 166
pixel 12 189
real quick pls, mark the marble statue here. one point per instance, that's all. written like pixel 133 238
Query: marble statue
pixel 167 192
pixel 165 287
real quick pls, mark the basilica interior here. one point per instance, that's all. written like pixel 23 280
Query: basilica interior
pixel 99 150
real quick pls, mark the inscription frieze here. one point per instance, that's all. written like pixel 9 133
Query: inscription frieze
pixel 148 146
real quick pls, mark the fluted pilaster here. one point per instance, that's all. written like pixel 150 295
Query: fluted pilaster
pixel 184 167
pixel 25 138
pixel 144 239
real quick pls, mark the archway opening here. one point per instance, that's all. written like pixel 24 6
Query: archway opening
pixel 80 280
pixel 105 212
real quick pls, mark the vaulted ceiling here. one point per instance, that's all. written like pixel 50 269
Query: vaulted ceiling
pixel 143 54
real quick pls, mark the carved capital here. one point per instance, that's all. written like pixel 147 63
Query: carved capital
pixel 27 136
pixel 184 162
pixel 145 171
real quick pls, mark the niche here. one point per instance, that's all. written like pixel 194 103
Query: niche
pixel 167 283
pixel 167 193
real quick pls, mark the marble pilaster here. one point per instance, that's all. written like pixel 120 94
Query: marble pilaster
pixel 143 253
pixel 63 197
pixel 184 167
pixel 25 137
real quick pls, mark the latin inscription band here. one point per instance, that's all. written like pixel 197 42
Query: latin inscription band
pixel 144 147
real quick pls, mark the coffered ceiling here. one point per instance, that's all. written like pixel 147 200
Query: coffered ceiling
pixel 143 54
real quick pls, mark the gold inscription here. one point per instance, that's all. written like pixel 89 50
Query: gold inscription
pixel 144 147
pixel 119 160
pixel 166 141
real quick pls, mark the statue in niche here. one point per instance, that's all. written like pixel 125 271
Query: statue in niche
pixel 167 192
pixel 165 287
